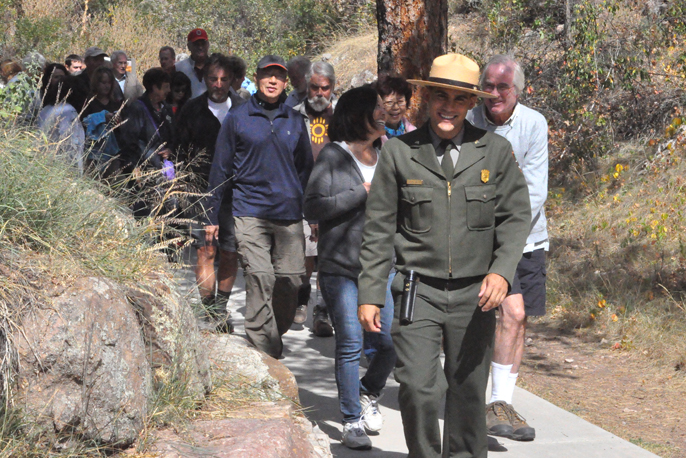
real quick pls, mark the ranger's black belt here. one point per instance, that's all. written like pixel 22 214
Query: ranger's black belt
pixel 450 284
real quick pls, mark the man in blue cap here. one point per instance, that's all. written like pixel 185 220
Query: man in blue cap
pixel 263 155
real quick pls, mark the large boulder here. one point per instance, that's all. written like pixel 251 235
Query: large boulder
pixel 270 426
pixel 170 330
pixel 82 366
pixel 236 438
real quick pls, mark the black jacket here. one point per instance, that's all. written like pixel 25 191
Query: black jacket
pixel 336 198
pixel 197 129
pixel 145 132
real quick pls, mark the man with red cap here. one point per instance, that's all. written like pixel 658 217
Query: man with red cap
pixel 199 46
pixel 264 156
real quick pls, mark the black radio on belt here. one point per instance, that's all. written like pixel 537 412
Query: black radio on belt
pixel 409 296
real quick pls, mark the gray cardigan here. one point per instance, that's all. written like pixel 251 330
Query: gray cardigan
pixel 335 197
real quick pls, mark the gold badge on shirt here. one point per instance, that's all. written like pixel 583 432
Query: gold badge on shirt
pixel 485 175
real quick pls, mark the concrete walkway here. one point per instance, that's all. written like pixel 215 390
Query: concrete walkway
pixel 559 434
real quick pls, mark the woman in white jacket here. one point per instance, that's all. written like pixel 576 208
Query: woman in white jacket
pixel 58 119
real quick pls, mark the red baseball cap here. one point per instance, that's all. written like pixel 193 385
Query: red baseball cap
pixel 197 34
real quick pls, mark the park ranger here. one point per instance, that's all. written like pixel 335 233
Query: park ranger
pixel 451 200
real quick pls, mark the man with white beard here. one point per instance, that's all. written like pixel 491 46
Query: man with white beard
pixel 317 110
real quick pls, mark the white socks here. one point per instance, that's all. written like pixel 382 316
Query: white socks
pixel 502 382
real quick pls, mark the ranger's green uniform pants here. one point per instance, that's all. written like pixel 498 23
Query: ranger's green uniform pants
pixel 446 312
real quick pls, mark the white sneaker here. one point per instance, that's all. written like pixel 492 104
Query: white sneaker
pixel 371 416
pixel 355 437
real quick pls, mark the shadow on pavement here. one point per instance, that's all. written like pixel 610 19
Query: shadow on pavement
pixel 495 446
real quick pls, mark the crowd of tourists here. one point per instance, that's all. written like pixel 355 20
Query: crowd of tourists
pixel 446 218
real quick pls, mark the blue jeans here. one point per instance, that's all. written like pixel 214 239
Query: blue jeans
pixel 340 295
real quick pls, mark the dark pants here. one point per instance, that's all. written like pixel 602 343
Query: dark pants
pixel 272 255
pixel 450 315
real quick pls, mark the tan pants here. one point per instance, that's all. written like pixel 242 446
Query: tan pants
pixel 272 255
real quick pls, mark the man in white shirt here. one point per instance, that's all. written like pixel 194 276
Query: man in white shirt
pixel 199 46
pixel 527 131
pixel 198 125
pixel 128 87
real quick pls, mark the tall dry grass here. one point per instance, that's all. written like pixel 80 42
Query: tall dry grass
pixel 618 256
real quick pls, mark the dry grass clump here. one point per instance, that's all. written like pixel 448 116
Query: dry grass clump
pixel 60 27
pixel 49 208
pixel 352 55
pixel 618 259
pixel 125 27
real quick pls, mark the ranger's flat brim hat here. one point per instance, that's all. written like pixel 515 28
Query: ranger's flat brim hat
pixel 454 71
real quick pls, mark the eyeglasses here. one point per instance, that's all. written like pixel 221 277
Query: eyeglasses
pixel 502 88
pixel 390 104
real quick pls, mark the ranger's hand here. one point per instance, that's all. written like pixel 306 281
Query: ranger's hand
pixel 370 317
pixel 211 233
pixel 493 292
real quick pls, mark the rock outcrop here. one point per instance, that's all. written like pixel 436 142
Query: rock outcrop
pixel 171 335
pixel 82 365
pixel 90 362
pixel 268 427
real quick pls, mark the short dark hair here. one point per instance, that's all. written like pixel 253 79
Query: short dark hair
pixel 354 115
pixel 180 79
pixel 95 79
pixel 387 85
pixel 168 48
pixel 71 58
pixel 218 60
pixel 156 76
pixel 238 66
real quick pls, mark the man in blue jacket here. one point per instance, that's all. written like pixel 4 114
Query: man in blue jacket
pixel 263 152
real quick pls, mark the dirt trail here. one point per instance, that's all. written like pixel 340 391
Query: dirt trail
pixel 621 391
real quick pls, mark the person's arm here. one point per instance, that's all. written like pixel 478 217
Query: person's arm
pixel 222 169
pixel 320 204
pixel 535 167
pixel 379 231
pixel 302 156
pixel 512 217
pixel 182 142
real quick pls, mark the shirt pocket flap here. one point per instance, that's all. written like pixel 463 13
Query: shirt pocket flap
pixel 482 193
pixel 415 195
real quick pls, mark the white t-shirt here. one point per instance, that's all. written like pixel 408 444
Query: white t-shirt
pixel 122 83
pixel 220 110
pixel 367 170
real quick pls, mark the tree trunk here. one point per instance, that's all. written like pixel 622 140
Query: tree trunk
pixel 412 33
pixel 568 23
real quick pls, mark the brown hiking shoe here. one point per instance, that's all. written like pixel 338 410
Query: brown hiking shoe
pixel 521 431
pixel 497 419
